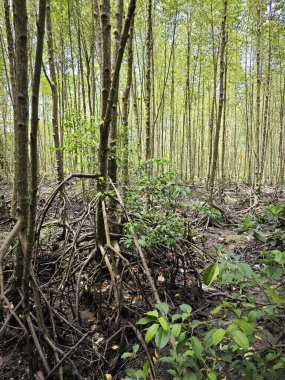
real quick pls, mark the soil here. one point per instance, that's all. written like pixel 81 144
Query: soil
pixel 81 296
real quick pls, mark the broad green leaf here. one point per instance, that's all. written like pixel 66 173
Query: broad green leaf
pixel 186 308
pixel 208 339
pixel 190 376
pixel 217 309
pixel 245 270
pixel 152 313
pixel 150 333
pixel 212 376
pixel 238 312
pixel 136 347
pixel 279 256
pixel 162 307
pixel 197 347
pixel 145 320
pixel 211 273
pixel 240 338
pixel 176 329
pixel 127 355
pixel 195 323
pixel 246 327
pixel 163 323
pixel 175 317
pixel 161 338
pixel 273 273
pixel 218 336
pixel 279 365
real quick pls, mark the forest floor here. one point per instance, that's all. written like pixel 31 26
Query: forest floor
pixel 81 295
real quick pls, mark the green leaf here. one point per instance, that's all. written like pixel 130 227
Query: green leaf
pixel 247 222
pixel 258 236
pixel 153 313
pixel 162 307
pixel 127 355
pixel 245 270
pixel 145 320
pixel 186 308
pixel 151 332
pixel 175 317
pixel 212 376
pixel 163 323
pixel 273 273
pixel 278 365
pixel 208 339
pixel 136 347
pixel 218 336
pixel 146 367
pixel 240 338
pixel 238 312
pixel 273 295
pixel 252 316
pixel 217 309
pixel 246 327
pixel 211 273
pixel 161 338
pixel 176 329
pixel 197 347
pixel 190 376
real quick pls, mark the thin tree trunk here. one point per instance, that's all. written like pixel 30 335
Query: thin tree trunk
pixel 221 104
pixel 34 149
pixel 112 169
pixel 22 120
pixel 126 106
pixel 109 88
pixel 11 56
pixel 149 47
pixel 258 91
pixel 54 89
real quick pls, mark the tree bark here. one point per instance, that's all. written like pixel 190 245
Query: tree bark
pixel 221 104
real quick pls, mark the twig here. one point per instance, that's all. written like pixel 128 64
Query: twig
pixel 140 338
pixel 69 353
pixel 56 190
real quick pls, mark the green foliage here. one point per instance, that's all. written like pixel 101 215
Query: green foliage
pixel 210 212
pixel 162 221
pixel 274 212
pixel 134 374
pixel 228 342
pixel 248 223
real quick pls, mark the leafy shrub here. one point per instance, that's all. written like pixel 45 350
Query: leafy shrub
pixel 230 343
pixel 161 221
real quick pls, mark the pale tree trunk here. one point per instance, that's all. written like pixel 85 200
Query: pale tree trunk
pixel 54 89
pixel 280 173
pixel 149 47
pixel 221 104
pixel 112 165
pixel 266 116
pixel 224 138
pixel 257 182
pixel 214 101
